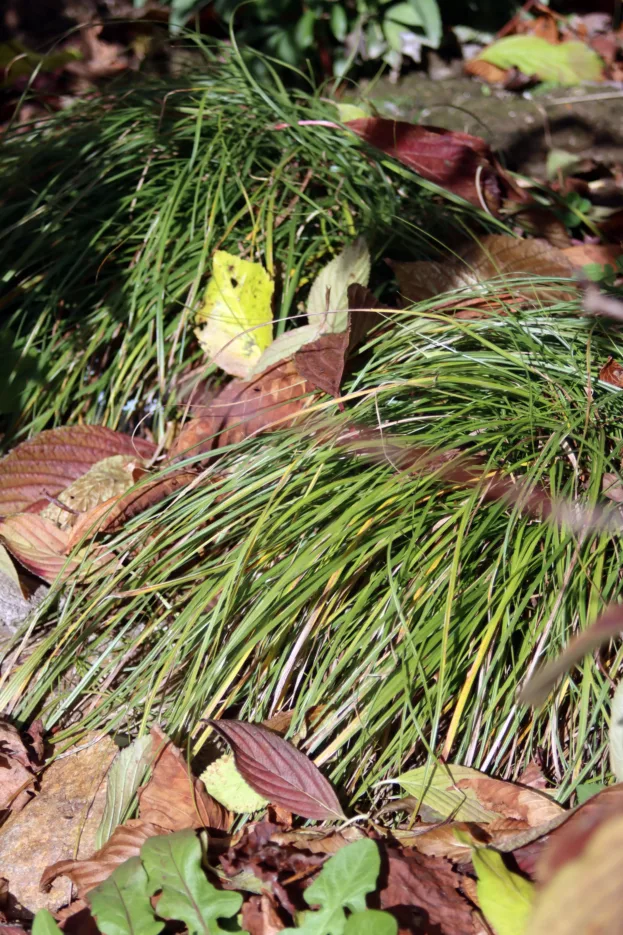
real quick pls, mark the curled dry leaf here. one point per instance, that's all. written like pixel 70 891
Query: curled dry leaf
pixel 245 408
pixel 278 771
pixel 173 799
pixel 259 916
pixel 612 372
pixel 38 545
pixel 17 777
pixel 511 800
pixel 494 255
pixel 419 888
pixel 45 465
pixel 458 162
pixel 114 513
pixel 125 842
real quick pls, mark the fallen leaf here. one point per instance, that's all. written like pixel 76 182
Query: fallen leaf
pixel 612 372
pixel 225 784
pixel 458 162
pixel 124 777
pixel 260 917
pixel 608 625
pixel 38 545
pixel 112 514
pixel 586 253
pixel 235 320
pixel 494 255
pixel 612 488
pixel 106 480
pixel 318 842
pixel 541 222
pixel 512 800
pixel 328 302
pixel 567 63
pixel 585 893
pixel 125 842
pixel 569 839
pixel 285 346
pixel 423 891
pixel 278 771
pixel 246 408
pixel 49 462
pixel 17 778
pixel 436 787
pixel 62 819
pixel 322 361
pixel 505 898
pixel 7 567
pixel 173 799
pixel 492 74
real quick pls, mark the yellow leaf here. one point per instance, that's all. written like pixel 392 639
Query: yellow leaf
pixel 236 317
pixel 505 898
pixel 226 785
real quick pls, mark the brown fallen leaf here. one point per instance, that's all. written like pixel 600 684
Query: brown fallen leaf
pixel 585 253
pixel 38 545
pixel 488 72
pixel 533 776
pixel 173 798
pixel 513 801
pixel 492 256
pixel 125 842
pixel 612 488
pixel 322 361
pixel 423 891
pixel 45 465
pixel 612 372
pixel 318 842
pixel 538 221
pixel 18 781
pixel 114 513
pixel 608 625
pixel 458 162
pixel 61 820
pixel 244 408
pixel 278 771
pixel 259 916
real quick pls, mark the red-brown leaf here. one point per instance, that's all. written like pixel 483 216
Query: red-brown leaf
pixel 278 771
pixel 50 461
pixel 423 890
pixel 612 373
pixel 456 161
pixel 125 842
pixel 246 407
pixel 112 514
pixel 38 544
pixel 173 799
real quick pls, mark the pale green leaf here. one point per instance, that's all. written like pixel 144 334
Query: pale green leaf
pixel 124 777
pixel 7 566
pixel 327 304
pixel 226 785
pixel 616 733
pixel 348 112
pixel 284 347
pixel 505 898
pixel 173 865
pixel 371 922
pixel 561 162
pixel 121 904
pixel 235 320
pixel 566 63
pixel 44 923
pixel 434 786
pixel 338 22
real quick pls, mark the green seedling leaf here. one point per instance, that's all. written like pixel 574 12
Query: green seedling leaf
pixel 505 898
pixel 561 162
pixel 44 923
pixel 343 882
pixel 235 320
pixel 586 791
pixel 327 304
pixel 616 733
pixel 226 785
pixel 348 112
pixel 173 865
pixel 121 903
pixel 435 787
pixel 371 922
pixel 125 776
pixel 567 63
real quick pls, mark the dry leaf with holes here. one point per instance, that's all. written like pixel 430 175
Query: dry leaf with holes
pixel 104 480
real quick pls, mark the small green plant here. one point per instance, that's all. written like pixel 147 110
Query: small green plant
pixel 339 31
pixel 171 865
